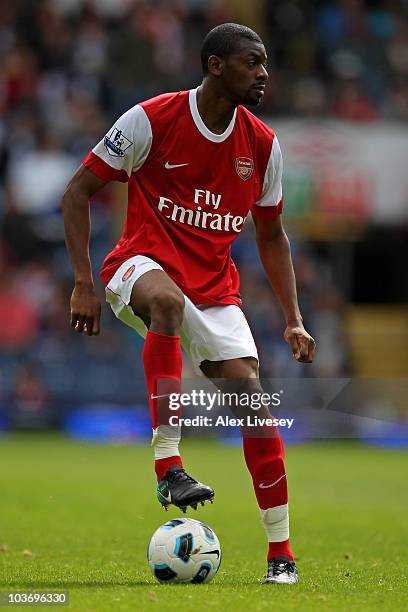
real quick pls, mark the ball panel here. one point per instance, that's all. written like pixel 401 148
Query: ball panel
pixel 184 546
pixel 171 524
pixel 208 533
pixel 163 572
pixel 202 574
pixel 158 554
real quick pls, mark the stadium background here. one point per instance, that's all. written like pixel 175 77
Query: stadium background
pixel 338 100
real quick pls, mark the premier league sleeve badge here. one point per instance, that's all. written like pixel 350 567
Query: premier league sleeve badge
pixel 116 143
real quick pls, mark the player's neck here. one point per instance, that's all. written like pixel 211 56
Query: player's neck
pixel 215 110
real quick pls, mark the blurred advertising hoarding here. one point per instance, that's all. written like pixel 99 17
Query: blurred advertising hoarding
pixel 339 174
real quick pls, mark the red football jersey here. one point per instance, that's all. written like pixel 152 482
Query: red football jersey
pixel 190 190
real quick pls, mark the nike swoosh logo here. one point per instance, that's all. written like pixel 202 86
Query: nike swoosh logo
pixel 166 497
pixel 170 166
pixel 212 552
pixel 265 486
pixel 159 396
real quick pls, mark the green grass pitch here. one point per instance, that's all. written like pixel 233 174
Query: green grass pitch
pixel 78 517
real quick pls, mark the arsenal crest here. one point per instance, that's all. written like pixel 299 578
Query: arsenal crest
pixel 244 167
pixel 128 273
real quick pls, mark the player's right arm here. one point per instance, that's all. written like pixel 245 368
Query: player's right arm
pixel 85 306
pixel 120 153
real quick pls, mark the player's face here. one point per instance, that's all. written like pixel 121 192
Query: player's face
pixel 245 75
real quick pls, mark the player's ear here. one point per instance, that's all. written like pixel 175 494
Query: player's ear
pixel 215 65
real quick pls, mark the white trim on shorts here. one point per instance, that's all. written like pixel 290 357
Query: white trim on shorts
pixel 208 332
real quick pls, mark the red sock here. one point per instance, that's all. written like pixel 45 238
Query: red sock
pixel 162 360
pixel 279 549
pixel 264 456
pixel 161 466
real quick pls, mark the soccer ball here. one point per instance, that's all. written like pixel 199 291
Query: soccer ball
pixel 184 550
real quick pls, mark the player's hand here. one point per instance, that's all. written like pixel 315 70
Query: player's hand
pixel 302 344
pixel 85 311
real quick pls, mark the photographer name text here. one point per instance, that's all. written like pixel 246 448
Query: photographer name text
pixel 227 421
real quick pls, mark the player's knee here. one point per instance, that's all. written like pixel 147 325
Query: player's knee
pixel 167 308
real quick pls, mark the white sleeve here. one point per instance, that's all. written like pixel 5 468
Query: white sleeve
pixel 127 144
pixel 272 185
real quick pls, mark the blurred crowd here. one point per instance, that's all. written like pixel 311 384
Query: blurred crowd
pixel 68 68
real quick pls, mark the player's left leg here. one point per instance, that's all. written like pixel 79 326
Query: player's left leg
pixel 264 456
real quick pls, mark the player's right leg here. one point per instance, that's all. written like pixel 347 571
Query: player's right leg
pixel 157 300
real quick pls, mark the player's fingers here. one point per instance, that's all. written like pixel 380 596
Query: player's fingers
pixel 92 325
pixel 311 351
pixel 294 345
pixel 303 347
pixel 74 319
pixel 307 356
pixel 79 326
pixel 88 326
pixel 96 324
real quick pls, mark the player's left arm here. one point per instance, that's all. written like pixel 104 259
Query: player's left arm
pixel 274 250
